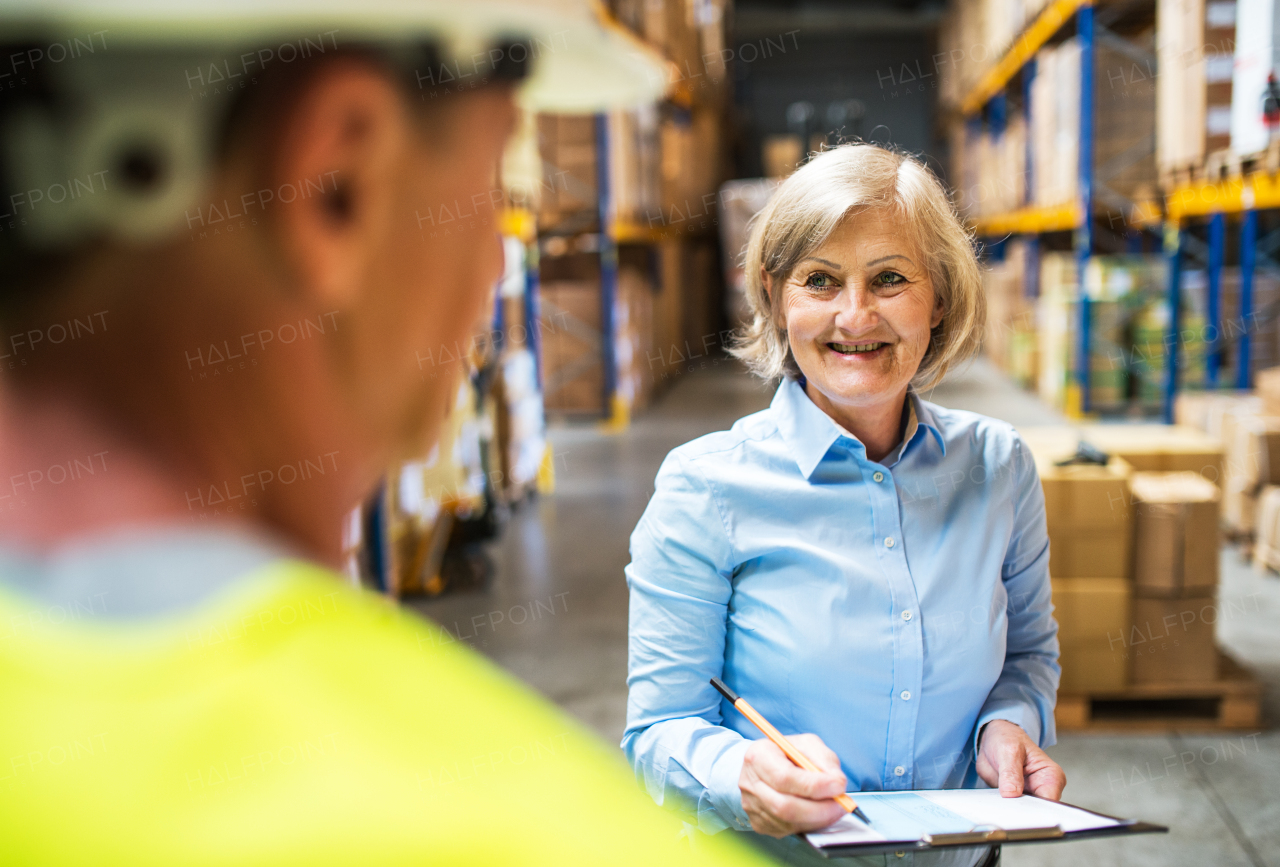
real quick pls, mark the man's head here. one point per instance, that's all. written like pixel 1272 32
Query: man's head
pixel 290 316
pixel 280 218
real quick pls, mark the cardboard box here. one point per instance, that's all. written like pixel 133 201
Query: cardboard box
pixel 1203 410
pixel 1093 620
pixel 1158 448
pixel 1175 534
pixel 1089 514
pixel 1252 445
pixel 1268 384
pixel 1266 549
pixel 572 374
pixel 1172 640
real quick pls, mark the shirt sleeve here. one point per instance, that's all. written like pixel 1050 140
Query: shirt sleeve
pixel 680 579
pixel 1027 689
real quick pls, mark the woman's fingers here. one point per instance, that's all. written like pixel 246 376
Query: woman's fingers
pixel 782 774
pixel 780 798
pixel 1045 777
pixel 1010 760
pixel 817 752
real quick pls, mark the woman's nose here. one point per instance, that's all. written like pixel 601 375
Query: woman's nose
pixel 858 309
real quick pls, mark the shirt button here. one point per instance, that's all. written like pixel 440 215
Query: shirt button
pixel 899 771
pixel 888 542
pixel 906 615
pixel 906 695
pixel 879 477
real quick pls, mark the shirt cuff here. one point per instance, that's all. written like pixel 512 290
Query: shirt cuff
pixel 1022 715
pixel 723 789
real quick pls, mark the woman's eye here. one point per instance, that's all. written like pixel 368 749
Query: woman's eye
pixel 890 278
pixel 820 281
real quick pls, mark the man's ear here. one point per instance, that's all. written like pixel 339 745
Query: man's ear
pixel 339 143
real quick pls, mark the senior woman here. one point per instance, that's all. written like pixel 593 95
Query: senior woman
pixel 865 567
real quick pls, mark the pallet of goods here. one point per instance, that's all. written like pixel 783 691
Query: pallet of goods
pixel 1196 45
pixel 1134 568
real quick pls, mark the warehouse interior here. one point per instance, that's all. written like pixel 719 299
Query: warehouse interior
pixel 628 245
pixel 1114 167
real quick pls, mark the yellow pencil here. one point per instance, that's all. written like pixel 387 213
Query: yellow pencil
pixel 797 757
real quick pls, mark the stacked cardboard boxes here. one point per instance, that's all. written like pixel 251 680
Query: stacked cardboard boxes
pixel 991 165
pixel 972 39
pixel 1089 514
pixel 1010 339
pixel 1195 46
pixel 1252 446
pixel 1133 554
pixel 1175 578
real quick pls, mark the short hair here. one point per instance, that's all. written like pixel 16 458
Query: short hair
pixel 807 208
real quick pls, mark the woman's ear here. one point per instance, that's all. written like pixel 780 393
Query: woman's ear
pixel 775 307
pixel 939 310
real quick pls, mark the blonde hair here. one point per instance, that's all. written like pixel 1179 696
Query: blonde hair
pixel 809 206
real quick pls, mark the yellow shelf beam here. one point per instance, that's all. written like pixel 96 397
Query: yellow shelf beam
pixel 1023 49
pixel 519 222
pixel 1256 191
pixel 1029 221
pixel 628 232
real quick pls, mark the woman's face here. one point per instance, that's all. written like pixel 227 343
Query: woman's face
pixel 859 310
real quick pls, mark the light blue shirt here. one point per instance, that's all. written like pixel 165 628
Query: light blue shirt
pixel 890 608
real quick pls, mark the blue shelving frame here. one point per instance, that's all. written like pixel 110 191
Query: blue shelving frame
pixel 1089 31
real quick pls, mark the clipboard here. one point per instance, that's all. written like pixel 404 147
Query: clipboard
pixel 951 810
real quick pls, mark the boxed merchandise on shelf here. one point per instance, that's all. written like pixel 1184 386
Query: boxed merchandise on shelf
pixel 1195 47
pixel 567 144
pixel 572 375
pixel 635 165
pixel 426 496
pixel 973 37
pixel 634 343
pixel 1055 326
pixel 1256 45
pixel 573 342
pixel 992 165
pixel 1010 338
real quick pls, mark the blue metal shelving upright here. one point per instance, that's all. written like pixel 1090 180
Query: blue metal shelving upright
pixel 608 264
pixel 1213 305
pixel 1083 239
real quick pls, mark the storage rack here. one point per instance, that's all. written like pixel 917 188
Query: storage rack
pixel 987 98
pixel 1245 196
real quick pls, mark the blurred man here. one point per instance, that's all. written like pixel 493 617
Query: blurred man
pixel 214 291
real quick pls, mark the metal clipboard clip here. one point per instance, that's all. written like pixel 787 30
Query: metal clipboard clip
pixel 981 834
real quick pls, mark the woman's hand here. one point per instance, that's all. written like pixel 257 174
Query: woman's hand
pixel 1008 758
pixel 781 799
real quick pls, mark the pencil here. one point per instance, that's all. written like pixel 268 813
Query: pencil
pixel 785 745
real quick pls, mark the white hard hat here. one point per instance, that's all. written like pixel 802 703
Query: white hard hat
pixel 110 109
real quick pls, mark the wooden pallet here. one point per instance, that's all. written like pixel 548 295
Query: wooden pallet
pixel 1232 702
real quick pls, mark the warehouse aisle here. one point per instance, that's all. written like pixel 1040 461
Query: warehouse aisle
pixel 556 617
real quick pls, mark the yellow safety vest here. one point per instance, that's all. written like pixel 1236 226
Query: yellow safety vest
pixel 295 720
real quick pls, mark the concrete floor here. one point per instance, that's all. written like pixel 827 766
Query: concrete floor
pixel 556 617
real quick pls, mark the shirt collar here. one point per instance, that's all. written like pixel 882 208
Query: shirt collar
pixel 810 433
